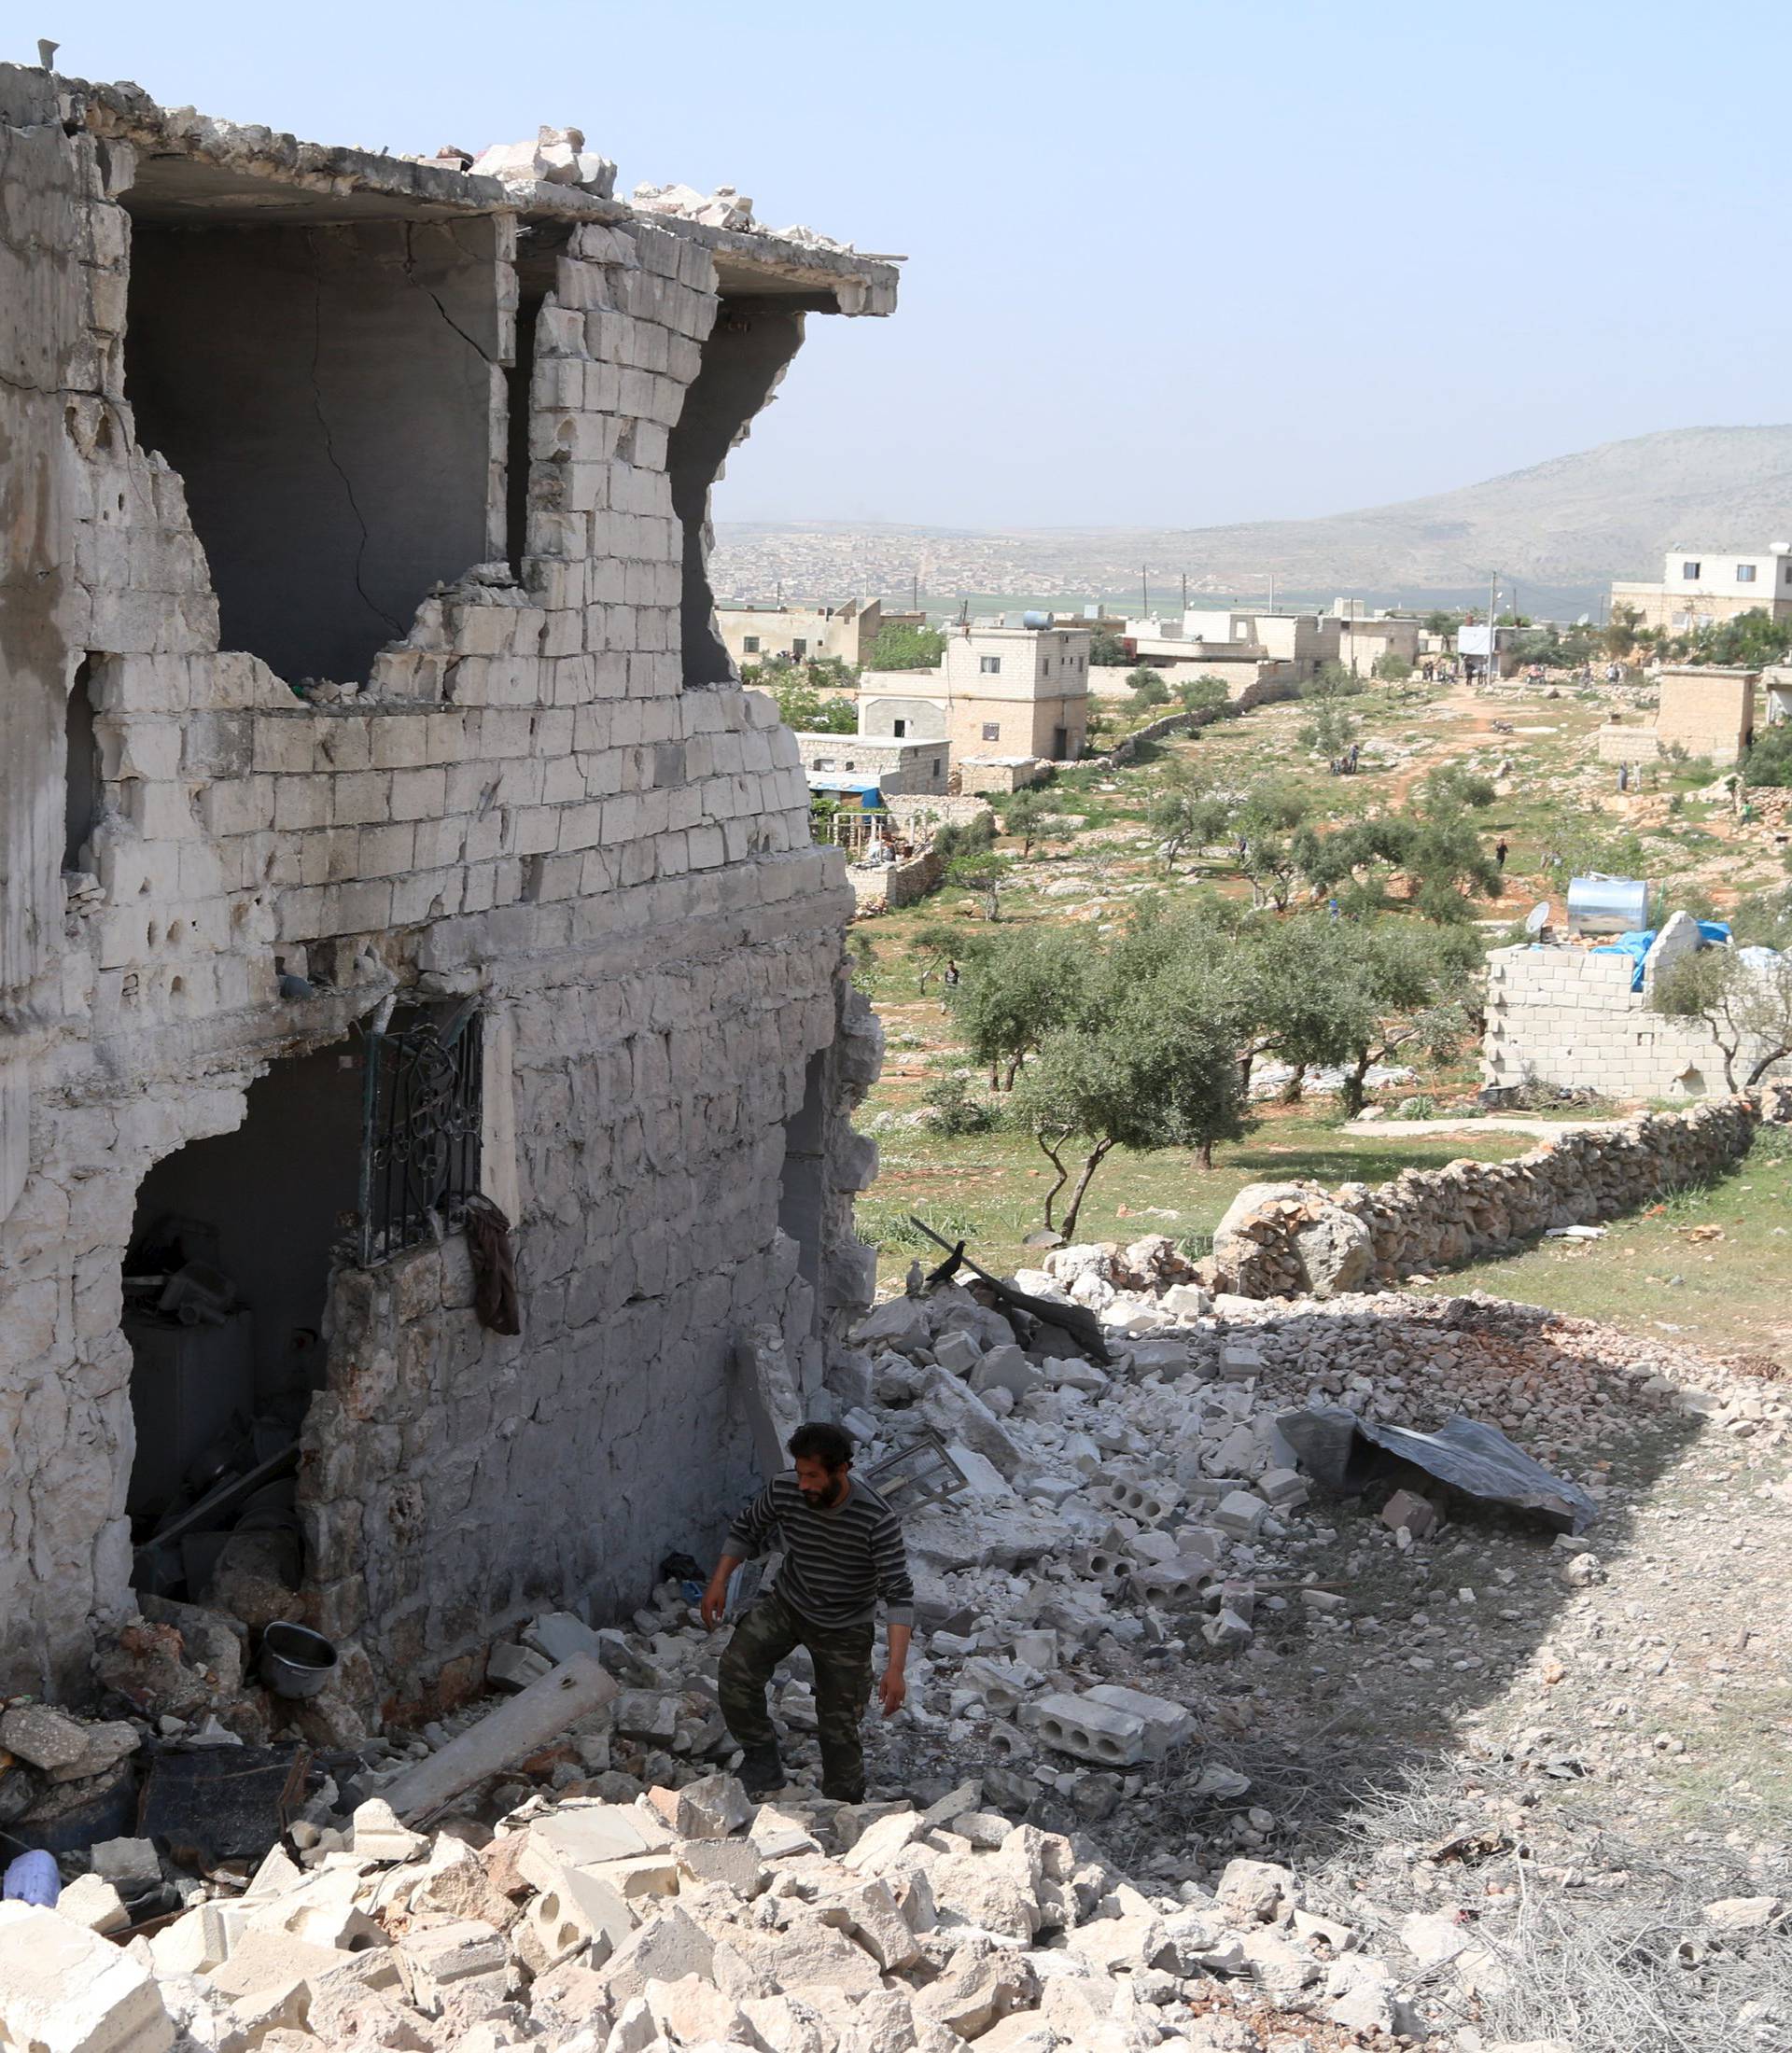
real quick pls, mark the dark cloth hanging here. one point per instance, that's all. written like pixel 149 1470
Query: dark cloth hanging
pixel 495 1299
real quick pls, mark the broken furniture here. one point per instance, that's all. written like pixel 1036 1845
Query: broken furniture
pixel 922 1472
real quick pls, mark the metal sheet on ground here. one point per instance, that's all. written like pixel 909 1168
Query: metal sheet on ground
pixel 1341 1450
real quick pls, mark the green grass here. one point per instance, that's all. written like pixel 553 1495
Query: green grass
pixel 1731 1292
pixel 991 1187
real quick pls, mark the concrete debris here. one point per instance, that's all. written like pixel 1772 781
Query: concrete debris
pixel 723 208
pixel 557 157
pixel 607 1885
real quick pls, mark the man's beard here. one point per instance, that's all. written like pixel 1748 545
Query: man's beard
pixel 823 1500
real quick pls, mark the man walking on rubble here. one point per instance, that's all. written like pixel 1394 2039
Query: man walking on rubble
pixel 843 1550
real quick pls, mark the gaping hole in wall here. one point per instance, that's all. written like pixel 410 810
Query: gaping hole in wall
pixel 539 245
pixel 747 352
pixel 82 778
pixel 327 392
pixel 801 1190
pixel 225 1282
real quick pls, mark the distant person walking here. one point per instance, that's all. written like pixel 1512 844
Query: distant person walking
pixel 1499 851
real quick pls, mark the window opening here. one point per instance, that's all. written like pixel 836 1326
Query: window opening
pixel 82 779
pixel 750 343
pixel 420 1129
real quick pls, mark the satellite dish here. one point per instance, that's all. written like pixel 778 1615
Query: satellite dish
pixel 1537 918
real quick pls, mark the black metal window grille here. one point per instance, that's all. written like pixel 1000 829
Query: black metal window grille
pixel 420 1130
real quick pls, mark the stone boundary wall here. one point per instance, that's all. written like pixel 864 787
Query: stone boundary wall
pixel 897 884
pixel 1260 693
pixel 1306 1239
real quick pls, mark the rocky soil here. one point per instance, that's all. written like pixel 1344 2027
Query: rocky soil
pixel 1197 1755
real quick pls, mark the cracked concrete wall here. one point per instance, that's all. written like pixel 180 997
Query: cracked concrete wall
pixel 330 398
pixel 525 803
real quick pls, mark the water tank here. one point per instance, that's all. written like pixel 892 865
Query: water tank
pixel 1035 620
pixel 1607 905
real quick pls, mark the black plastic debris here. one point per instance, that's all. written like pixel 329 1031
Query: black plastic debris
pixel 218 1804
pixel 1347 1453
pixel 1075 1322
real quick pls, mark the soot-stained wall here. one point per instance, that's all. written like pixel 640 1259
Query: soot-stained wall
pixel 327 393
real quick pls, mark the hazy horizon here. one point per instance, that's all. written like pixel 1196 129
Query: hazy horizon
pixel 1175 266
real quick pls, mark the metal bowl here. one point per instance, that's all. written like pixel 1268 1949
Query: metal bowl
pixel 295 1660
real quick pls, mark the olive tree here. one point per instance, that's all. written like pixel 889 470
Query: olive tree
pixel 1014 991
pixel 1745 1006
pixel 1146 1063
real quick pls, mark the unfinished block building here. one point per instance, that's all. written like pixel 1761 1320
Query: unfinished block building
pixel 381 824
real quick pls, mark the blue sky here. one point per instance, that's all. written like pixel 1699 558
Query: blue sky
pixel 1170 263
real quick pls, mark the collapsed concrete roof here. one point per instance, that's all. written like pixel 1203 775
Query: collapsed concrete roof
pixel 197 168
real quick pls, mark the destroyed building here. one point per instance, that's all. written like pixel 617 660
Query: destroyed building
pixel 382 826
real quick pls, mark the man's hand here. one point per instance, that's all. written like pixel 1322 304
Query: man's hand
pixel 892 1691
pixel 715 1602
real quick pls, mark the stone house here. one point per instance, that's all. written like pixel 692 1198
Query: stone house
pixel 805 633
pixel 898 768
pixel 1704 711
pixel 382 828
pixel 998 692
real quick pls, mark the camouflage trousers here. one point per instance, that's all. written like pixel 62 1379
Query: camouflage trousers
pixel 841 1658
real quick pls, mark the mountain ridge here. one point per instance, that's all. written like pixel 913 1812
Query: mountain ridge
pixel 1568 524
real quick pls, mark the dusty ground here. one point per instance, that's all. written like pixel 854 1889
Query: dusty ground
pixel 1568 1764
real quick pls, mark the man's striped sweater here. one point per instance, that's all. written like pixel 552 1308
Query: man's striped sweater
pixel 837 1563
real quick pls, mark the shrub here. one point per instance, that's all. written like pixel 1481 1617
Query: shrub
pixel 955 1108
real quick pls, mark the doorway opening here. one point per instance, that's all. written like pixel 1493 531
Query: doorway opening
pixel 226 1279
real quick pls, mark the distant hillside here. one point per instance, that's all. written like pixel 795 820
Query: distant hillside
pixel 1564 529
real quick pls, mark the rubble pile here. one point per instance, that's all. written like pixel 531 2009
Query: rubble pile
pixel 556 156
pixel 1108 1543
pixel 690 1917
pixel 1280 1239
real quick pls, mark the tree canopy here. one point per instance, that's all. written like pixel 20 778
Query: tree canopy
pixel 901 647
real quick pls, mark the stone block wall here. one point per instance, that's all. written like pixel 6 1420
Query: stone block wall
pixel 1430 1219
pixel 1568 1018
pixel 522 803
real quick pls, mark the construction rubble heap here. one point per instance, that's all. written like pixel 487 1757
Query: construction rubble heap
pixel 1097 1546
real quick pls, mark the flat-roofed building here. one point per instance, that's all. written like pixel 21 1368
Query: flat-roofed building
pixel 1702 587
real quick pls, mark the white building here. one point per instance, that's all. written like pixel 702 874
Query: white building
pixel 1701 587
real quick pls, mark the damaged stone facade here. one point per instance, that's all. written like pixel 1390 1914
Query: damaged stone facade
pixel 436 449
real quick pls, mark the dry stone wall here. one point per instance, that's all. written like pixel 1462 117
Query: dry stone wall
pixel 522 803
pixel 1281 1240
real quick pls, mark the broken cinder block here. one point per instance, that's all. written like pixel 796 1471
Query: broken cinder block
pixel 1407 1508
pixel 1091 1731
pixel 69 1991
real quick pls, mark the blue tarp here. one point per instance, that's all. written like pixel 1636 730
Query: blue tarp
pixel 1712 934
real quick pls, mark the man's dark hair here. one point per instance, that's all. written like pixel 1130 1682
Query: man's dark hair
pixel 821 1441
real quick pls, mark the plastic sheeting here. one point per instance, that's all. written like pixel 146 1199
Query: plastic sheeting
pixel 1348 1453
pixel 1712 934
